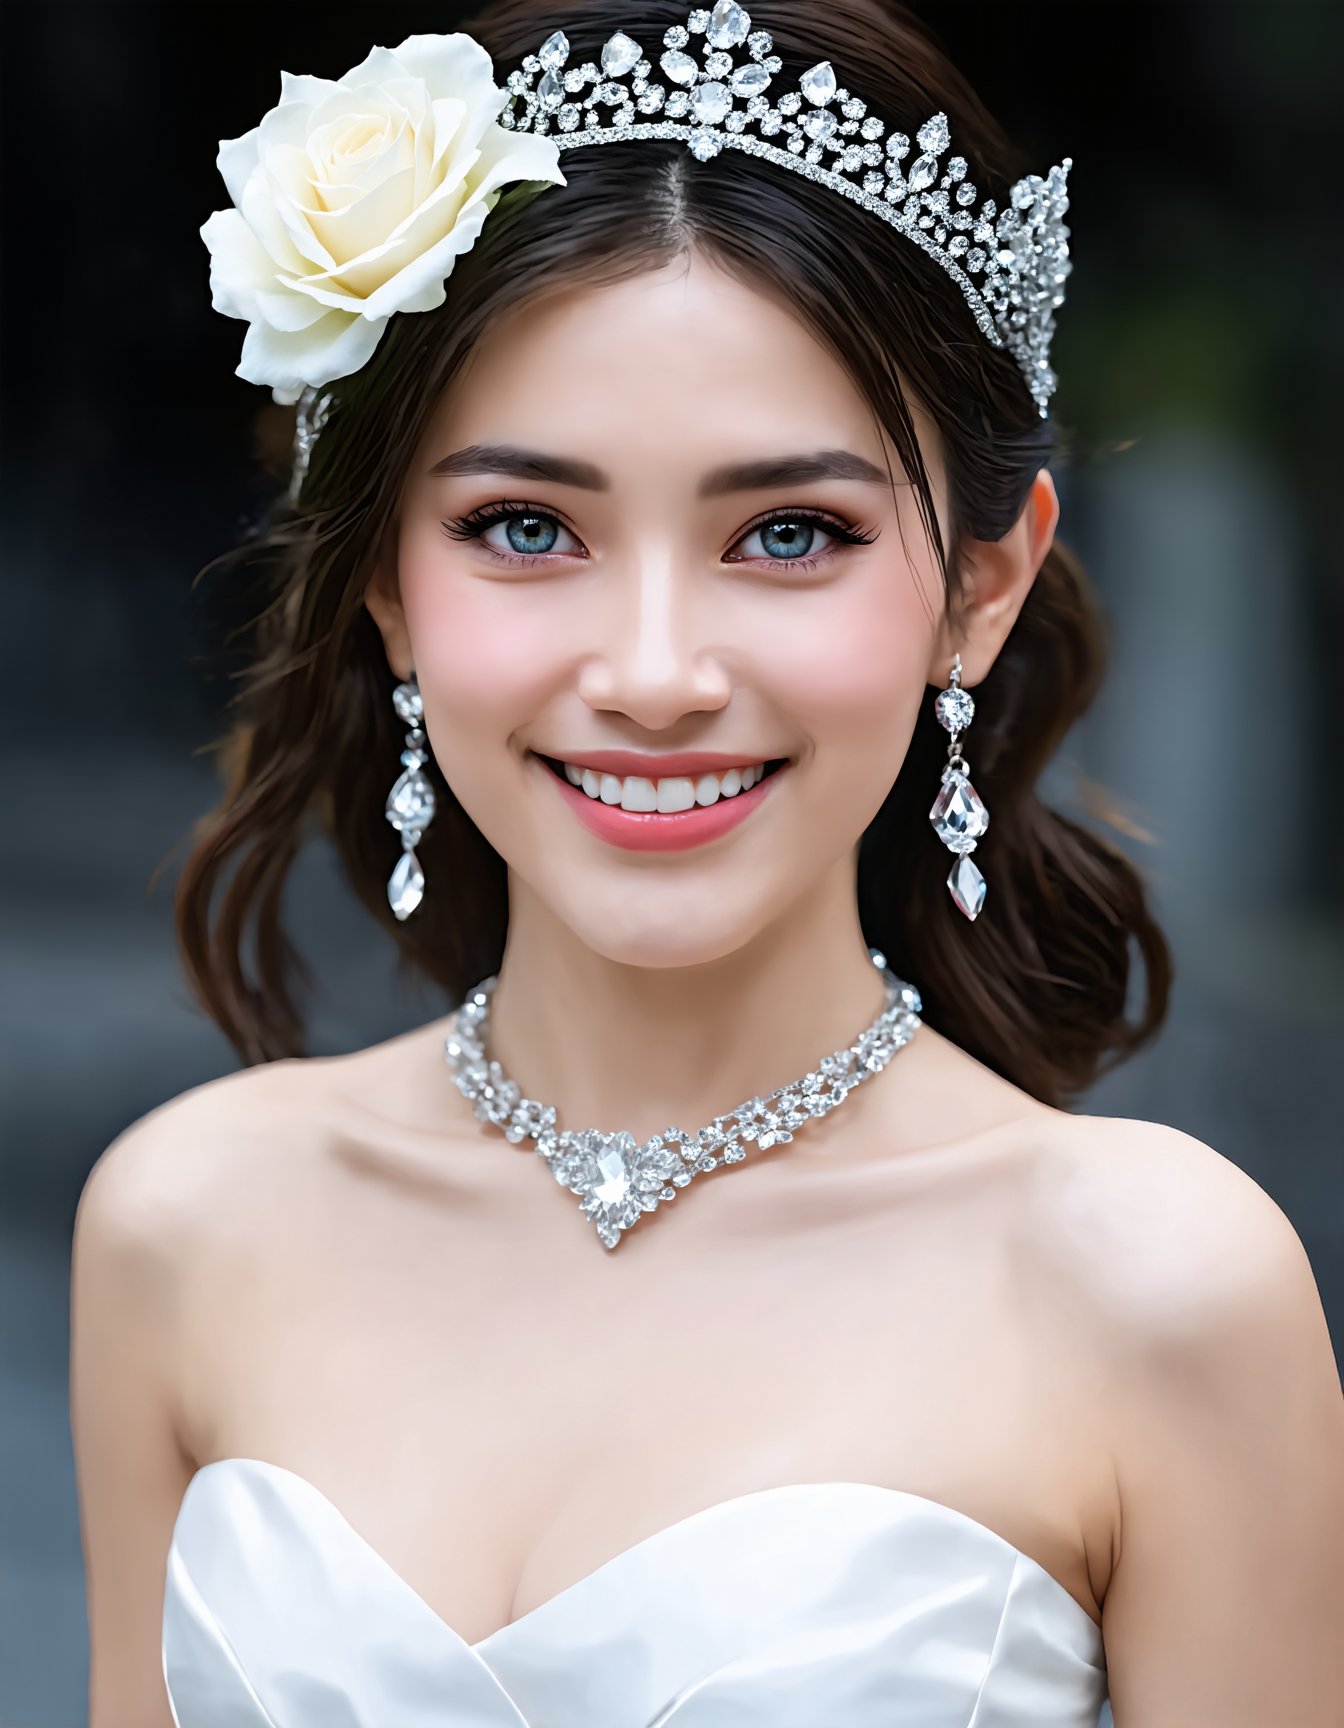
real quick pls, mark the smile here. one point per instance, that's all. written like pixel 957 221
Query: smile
pixel 669 815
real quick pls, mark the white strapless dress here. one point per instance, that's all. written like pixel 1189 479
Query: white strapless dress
pixel 820 1605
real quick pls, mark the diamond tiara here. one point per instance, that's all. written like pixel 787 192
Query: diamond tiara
pixel 1019 255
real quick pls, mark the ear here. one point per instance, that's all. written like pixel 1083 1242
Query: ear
pixel 383 599
pixel 997 576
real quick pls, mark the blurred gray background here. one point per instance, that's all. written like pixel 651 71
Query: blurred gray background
pixel 1200 359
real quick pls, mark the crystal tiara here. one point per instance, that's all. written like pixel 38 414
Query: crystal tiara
pixel 1010 264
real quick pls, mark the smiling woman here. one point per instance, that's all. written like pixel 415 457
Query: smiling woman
pixel 746 412
pixel 649 543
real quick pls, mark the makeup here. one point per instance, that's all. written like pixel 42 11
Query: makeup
pixel 656 830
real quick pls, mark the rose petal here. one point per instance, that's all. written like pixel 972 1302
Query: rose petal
pixel 285 234
pixel 505 156
pixel 237 162
pixel 455 64
pixel 360 229
pixel 289 309
pixel 334 347
pixel 301 87
pixel 238 263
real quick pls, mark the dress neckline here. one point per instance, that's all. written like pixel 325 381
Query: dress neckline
pixel 719 1509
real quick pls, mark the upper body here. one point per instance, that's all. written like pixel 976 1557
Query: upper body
pixel 1054 1324
pixel 775 489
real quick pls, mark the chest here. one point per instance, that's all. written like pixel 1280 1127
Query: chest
pixel 500 1406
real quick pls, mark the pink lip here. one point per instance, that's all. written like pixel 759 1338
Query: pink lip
pixel 656 830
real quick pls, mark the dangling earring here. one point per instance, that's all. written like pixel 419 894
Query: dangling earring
pixel 410 804
pixel 958 815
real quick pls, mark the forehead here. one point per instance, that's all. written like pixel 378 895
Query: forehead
pixel 680 361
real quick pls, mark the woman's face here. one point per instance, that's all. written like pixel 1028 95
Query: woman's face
pixel 611 566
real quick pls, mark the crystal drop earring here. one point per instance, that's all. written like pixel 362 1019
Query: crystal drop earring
pixel 959 816
pixel 411 803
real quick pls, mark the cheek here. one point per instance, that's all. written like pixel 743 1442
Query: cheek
pixel 479 654
pixel 855 677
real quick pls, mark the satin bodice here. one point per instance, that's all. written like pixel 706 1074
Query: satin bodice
pixel 841 1603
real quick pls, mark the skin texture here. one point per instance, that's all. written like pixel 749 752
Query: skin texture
pixel 1098 1337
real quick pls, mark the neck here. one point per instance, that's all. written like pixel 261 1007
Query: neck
pixel 616 1044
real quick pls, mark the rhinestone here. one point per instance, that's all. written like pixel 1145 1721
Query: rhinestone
pixel 818 83
pixel 967 886
pixel 872 127
pixel 680 68
pixel 958 815
pixel 411 803
pixel 675 36
pixel 728 25
pixel 965 193
pixel 698 21
pixel 898 146
pixel 704 145
pixel 873 183
pixel 852 159
pixel 677 103
pixel 619 54
pixel 651 100
pixel 955 709
pixel 549 91
pixel 406 885
pixel 956 168
pixel 749 80
pixel 574 80
pixel 554 51
pixel 819 125
pixel 773 64
pixel 923 172
pixel 718 65
pixel 789 102
pixel 855 108
pixel 711 102
pixel 760 43
pixel 407 701
pixel 933 135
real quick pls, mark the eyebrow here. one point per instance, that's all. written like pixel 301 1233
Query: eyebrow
pixel 760 475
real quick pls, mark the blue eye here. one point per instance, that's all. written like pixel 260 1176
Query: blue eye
pixel 788 538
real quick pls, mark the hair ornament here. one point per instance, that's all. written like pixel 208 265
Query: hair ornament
pixel 354 199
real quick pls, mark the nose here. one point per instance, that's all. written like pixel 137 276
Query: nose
pixel 655 655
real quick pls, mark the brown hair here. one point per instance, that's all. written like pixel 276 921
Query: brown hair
pixel 1036 988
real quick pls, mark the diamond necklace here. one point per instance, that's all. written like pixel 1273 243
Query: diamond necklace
pixel 618 1179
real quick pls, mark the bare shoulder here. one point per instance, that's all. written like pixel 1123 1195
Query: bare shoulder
pixel 217 1166
pixel 1169 1239
pixel 156 1187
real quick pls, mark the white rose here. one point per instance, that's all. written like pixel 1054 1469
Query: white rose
pixel 354 199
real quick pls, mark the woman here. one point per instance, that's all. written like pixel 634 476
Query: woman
pixel 664 512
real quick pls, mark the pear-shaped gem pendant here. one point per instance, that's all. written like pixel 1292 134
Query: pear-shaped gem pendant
pixel 967 886
pixel 959 816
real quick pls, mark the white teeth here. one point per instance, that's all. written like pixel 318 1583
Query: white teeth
pixel 676 793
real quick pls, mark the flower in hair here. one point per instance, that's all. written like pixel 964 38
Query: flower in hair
pixel 353 200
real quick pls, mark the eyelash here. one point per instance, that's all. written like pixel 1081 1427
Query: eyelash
pixel 474 524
